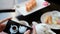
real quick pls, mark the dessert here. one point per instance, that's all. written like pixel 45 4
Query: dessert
pixel 30 5
pixel 52 20
pixel 48 20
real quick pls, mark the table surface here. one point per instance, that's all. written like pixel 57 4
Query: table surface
pixel 36 15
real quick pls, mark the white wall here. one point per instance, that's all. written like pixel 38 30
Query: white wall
pixel 6 4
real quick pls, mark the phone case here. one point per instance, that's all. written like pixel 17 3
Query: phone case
pixel 13 27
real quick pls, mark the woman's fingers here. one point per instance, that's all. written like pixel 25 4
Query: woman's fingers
pixel 2 21
pixel 34 30
pixel 2 27
pixel 27 32
pixel 3 32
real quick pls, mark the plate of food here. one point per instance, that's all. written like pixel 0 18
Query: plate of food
pixel 52 19
pixel 31 6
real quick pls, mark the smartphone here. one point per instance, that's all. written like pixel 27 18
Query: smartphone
pixel 13 27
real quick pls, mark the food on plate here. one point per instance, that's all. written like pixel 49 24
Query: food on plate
pixel 34 4
pixel 30 5
pixel 45 3
pixel 48 20
pixel 58 21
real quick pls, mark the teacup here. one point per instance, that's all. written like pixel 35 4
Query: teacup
pixel 43 28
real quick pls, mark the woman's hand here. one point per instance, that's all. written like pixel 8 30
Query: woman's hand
pixel 2 26
pixel 33 32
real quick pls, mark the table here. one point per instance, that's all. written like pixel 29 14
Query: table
pixel 36 15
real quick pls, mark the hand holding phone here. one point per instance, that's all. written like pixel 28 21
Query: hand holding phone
pixel 13 27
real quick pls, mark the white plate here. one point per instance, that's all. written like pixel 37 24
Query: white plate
pixel 23 11
pixel 53 26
